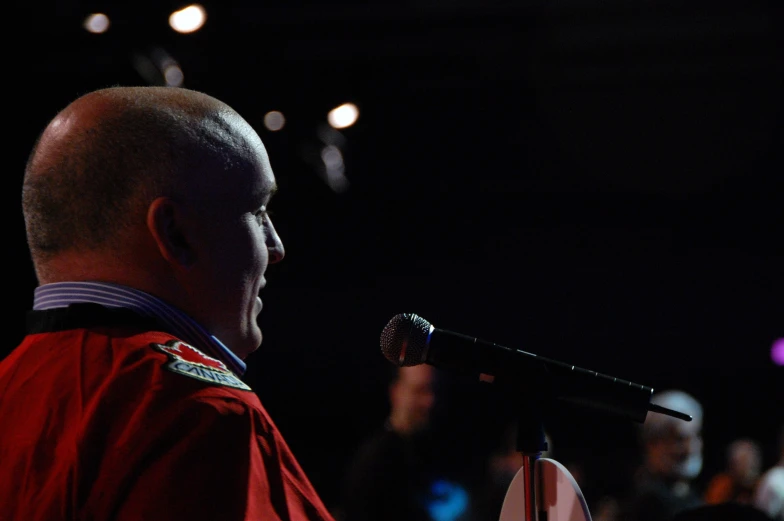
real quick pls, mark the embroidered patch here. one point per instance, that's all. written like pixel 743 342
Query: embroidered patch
pixel 189 361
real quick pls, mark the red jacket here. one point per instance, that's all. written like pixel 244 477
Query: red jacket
pixel 114 422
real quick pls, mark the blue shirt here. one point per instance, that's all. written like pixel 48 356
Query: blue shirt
pixel 62 294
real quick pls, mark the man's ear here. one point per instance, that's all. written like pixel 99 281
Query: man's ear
pixel 168 226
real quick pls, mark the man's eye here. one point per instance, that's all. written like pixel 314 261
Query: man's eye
pixel 261 214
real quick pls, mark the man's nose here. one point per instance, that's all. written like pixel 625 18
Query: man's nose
pixel 275 245
pixel 276 253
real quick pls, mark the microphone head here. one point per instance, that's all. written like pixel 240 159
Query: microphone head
pixel 404 339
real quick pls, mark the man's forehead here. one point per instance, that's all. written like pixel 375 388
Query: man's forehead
pixel 265 190
pixel 243 164
pixel 247 185
pixel 234 129
pixel 262 182
pixel 684 429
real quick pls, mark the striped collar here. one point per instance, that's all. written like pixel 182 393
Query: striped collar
pixel 62 294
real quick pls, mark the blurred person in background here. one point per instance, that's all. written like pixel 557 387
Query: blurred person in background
pixel 769 496
pixel 672 460
pixel 738 481
pixel 403 472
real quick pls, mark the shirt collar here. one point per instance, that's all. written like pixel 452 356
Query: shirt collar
pixel 62 294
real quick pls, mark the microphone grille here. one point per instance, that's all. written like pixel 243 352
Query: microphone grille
pixel 404 339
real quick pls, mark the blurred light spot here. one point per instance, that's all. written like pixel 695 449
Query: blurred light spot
pixel 147 69
pixel 332 157
pixel 188 19
pixel 159 68
pixel 97 23
pixel 173 75
pixel 449 501
pixel 274 120
pixel 777 352
pixel 334 168
pixel 330 136
pixel 343 116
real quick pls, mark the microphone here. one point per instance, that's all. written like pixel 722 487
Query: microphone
pixel 409 340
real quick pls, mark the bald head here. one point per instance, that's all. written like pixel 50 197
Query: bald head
pixel 673 447
pixel 160 189
pixel 102 160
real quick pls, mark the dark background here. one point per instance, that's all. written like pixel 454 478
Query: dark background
pixel 593 181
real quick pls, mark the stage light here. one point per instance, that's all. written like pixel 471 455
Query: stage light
pixel 343 116
pixel 274 120
pixel 777 352
pixel 188 19
pixel 96 23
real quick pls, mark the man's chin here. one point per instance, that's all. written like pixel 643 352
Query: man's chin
pixel 246 344
pixel 251 346
pixel 252 350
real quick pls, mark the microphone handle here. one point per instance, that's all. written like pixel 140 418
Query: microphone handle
pixel 568 383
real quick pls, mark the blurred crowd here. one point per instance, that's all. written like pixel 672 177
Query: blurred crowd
pixel 405 471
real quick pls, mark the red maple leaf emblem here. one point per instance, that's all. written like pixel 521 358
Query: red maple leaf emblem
pixel 192 355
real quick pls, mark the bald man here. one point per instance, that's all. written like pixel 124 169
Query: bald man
pixel 672 460
pixel 146 217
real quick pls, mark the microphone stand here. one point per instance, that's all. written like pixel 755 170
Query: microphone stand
pixel 535 397
pixel 531 442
